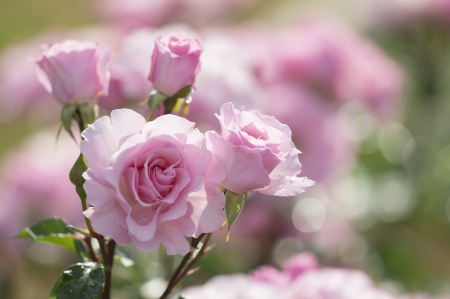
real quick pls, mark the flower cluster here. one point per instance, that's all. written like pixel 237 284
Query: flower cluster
pixel 151 183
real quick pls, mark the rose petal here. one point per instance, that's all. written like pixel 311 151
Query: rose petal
pixel 103 138
pixel 244 170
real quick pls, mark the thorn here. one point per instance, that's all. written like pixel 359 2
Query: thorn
pixel 192 271
pixel 227 238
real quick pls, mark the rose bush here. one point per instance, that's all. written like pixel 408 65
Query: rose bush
pixel 175 62
pixel 75 72
pixel 139 178
pixel 257 153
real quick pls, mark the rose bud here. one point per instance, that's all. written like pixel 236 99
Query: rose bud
pixel 75 72
pixel 175 62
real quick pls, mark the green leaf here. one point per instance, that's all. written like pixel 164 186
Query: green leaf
pixel 89 113
pixel 154 102
pixel 80 281
pixel 234 203
pixel 66 118
pixel 56 231
pixel 76 177
pixel 183 297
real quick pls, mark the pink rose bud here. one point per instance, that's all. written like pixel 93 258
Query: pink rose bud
pixel 175 62
pixel 75 72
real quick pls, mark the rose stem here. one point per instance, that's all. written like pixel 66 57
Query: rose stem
pixel 179 273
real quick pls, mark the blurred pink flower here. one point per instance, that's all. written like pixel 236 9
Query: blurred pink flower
pixel 300 263
pixel 35 183
pixel 227 74
pixel 312 283
pixel 75 72
pixel 257 153
pixel 330 58
pixel 133 14
pixel 322 134
pixel 334 283
pixel 20 89
pixel 175 62
pixel 139 178
pixel 238 286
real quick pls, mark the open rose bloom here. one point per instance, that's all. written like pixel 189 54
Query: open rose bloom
pixel 257 153
pixel 139 178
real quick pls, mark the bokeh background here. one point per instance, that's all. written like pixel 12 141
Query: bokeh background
pixel 363 84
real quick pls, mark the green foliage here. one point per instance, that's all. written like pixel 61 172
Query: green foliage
pixel 76 177
pixel 154 102
pixel 80 281
pixel 89 113
pixel 67 113
pixel 56 231
pixel 172 104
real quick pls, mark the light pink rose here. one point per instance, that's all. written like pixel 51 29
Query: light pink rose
pixel 300 263
pixel 238 286
pixel 335 283
pixel 257 153
pixel 268 282
pixel 139 178
pixel 75 72
pixel 175 62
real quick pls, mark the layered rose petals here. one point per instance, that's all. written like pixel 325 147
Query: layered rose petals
pixel 140 177
pixel 257 153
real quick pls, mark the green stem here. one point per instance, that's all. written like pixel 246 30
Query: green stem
pixel 106 260
pixel 194 260
pixel 185 265
pixel 108 270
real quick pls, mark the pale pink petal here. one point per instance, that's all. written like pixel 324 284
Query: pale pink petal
pixel 103 138
pixel 177 126
pixel 107 222
pixel 208 211
pixel 287 186
pixel 244 170
pixel 98 193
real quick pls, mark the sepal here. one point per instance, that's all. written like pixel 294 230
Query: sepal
pixel 234 203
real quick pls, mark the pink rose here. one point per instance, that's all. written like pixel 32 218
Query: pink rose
pixel 75 72
pixel 237 286
pixel 257 153
pixel 175 62
pixel 139 178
